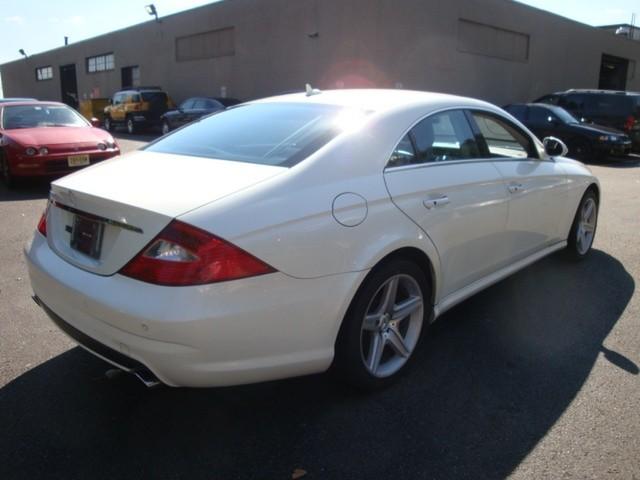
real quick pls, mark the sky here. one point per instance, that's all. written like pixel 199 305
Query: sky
pixel 40 25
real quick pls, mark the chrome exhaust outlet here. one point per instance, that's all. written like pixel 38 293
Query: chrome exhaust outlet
pixel 148 378
pixel 105 353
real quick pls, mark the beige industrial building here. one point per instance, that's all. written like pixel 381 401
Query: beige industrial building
pixel 498 50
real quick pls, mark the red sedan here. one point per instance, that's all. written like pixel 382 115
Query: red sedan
pixel 47 139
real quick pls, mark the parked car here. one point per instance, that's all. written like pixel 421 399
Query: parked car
pixel 48 138
pixel 192 109
pixel 137 108
pixel 296 233
pixel 16 99
pixel 585 141
pixel 615 109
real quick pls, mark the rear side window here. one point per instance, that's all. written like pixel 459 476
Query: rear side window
pixel 281 134
pixel 550 99
pixel 609 105
pixel 187 104
pixel 503 139
pixel 210 104
pixel 403 154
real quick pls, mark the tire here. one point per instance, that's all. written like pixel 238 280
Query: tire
pixel 165 127
pixel 374 347
pixel 108 124
pixel 582 150
pixel 583 228
pixel 131 126
pixel 8 179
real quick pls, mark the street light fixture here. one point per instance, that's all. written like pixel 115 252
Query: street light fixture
pixel 21 51
pixel 151 10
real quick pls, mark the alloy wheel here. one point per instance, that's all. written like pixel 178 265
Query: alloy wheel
pixel 130 127
pixel 586 226
pixel 391 326
pixel 165 128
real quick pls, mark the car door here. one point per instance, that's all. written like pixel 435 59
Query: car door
pixel 434 176
pixel 537 187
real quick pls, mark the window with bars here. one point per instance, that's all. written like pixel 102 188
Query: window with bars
pixel 44 73
pixel 100 63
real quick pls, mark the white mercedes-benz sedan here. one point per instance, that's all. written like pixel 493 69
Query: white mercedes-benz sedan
pixel 294 234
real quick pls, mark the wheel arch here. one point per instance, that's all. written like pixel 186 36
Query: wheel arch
pixel 420 258
pixel 414 254
pixel 593 187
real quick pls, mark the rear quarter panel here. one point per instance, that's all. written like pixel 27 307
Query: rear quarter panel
pixel 288 222
pixel 579 178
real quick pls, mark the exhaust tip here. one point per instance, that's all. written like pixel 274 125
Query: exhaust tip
pixel 148 378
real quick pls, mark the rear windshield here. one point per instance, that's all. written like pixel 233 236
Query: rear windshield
pixel 32 116
pixel 265 133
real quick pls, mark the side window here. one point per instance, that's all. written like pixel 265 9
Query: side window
pixel 502 138
pixel 550 99
pixel 574 103
pixel 117 99
pixel 445 136
pixel 136 98
pixel 404 154
pixel 212 104
pixel 200 104
pixel 187 104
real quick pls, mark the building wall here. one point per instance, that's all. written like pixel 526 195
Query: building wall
pixel 497 50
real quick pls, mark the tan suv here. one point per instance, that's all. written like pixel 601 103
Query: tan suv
pixel 137 108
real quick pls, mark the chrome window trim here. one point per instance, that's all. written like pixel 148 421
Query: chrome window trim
pixel 466 161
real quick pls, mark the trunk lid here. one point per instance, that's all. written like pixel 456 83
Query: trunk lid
pixel 133 198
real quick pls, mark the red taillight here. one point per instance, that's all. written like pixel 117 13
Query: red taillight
pixel 184 255
pixel 42 224
pixel 631 121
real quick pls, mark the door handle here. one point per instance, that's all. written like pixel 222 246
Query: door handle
pixel 515 187
pixel 436 202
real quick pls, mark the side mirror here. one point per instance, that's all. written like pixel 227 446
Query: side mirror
pixel 555 147
pixel 95 122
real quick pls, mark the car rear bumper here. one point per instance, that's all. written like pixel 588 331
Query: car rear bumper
pixel 250 330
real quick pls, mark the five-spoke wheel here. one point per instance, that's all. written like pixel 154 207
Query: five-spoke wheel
pixel 384 324
pixel 584 226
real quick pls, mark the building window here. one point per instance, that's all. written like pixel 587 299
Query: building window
pixel 212 44
pixel 100 63
pixel 44 73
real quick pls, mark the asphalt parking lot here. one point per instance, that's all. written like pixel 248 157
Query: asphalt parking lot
pixel 537 377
